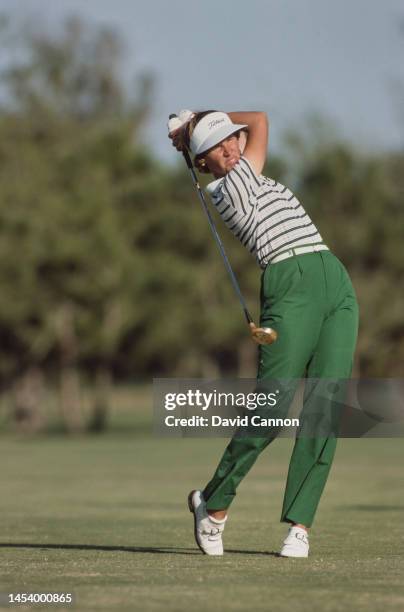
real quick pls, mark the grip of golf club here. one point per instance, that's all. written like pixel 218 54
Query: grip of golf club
pixel 174 122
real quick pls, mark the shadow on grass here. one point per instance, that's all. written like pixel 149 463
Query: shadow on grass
pixel 164 550
pixel 264 553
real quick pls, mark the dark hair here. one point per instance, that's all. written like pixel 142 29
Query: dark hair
pixel 199 161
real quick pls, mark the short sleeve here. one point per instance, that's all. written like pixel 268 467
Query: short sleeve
pixel 241 185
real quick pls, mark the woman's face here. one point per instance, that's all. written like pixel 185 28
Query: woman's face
pixel 221 159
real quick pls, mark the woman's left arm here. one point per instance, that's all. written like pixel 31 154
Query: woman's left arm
pixel 256 147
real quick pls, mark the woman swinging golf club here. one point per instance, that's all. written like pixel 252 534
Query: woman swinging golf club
pixel 307 298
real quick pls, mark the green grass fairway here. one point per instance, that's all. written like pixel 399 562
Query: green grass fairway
pixel 106 518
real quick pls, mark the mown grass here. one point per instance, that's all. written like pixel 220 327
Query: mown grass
pixel 105 517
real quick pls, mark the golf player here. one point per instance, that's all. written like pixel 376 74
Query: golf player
pixel 306 297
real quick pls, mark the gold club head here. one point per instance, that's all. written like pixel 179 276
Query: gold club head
pixel 263 335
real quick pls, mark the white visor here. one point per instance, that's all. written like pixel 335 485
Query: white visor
pixel 211 130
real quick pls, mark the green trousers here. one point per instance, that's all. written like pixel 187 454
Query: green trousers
pixel 309 300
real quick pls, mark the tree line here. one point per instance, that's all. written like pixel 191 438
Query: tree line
pixel 108 271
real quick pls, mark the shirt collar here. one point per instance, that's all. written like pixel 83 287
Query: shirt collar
pixel 211 187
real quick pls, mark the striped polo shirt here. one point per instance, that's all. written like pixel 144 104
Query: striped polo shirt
pixel 263 214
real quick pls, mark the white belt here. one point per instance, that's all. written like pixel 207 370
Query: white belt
pixel 312 248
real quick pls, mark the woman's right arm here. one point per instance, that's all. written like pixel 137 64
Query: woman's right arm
pixel 256 147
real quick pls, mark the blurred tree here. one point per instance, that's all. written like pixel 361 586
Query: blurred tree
pixel 107 264
pixel 67 134
pixel 356 199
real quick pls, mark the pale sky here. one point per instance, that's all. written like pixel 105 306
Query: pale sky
pixel 287 57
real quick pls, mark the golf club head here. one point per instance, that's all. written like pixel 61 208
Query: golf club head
pixel 263 335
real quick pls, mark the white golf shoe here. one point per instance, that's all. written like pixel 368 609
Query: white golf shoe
pixel 296 543
pixel 207 530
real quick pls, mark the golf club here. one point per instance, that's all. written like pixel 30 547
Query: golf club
pixel 260 335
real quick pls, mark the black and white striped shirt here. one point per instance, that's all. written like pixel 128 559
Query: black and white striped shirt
pixel 265 215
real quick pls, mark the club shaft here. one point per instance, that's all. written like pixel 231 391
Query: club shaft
pixel 217 237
